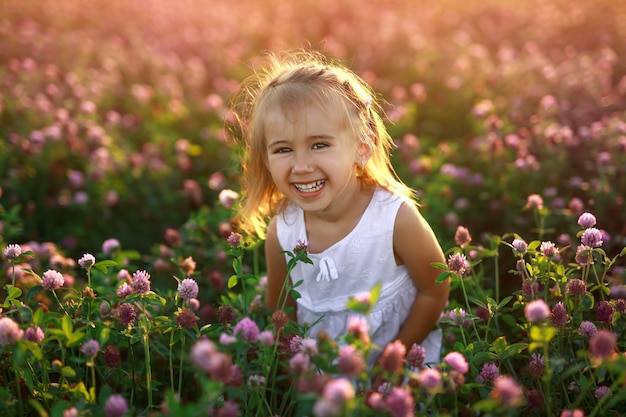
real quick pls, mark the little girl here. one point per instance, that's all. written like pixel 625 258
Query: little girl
pixel 317 166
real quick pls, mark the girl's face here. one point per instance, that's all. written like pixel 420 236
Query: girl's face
pixel 312 155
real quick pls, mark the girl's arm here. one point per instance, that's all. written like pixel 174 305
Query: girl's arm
pixel 416 246
pixel 276 273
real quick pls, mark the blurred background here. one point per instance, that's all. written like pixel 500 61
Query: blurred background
pixel 114 114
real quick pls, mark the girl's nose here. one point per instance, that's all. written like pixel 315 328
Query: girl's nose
pixel 301 164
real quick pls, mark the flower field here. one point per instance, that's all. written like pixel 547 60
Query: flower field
pixel 127 290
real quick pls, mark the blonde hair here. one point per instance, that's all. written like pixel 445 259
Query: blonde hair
pixel 293 77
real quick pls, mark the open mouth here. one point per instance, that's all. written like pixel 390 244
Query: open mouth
pixel 310 187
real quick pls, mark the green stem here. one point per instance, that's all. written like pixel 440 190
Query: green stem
pixel 469 309
pixel 171 363
pixel 180 364
pixel 59 303
pixel 146 347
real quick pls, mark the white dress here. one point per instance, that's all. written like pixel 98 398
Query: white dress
pixel 355 264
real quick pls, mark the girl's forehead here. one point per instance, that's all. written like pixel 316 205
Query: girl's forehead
pixel 299 108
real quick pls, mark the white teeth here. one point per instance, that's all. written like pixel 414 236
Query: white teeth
pixel 310 187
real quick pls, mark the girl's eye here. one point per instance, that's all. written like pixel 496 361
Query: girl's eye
pixel 282 150
pixel 319 145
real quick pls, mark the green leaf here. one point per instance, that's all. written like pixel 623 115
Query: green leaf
pixel 68 372
pixel 33 292
pixel 232 281
pixel 443 276
pixel 439 265
pixel 103 265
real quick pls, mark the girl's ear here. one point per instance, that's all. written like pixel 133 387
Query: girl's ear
pixel 364 152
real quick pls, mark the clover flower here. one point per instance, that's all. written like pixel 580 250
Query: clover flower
pixel 90 348
pixel 309 346
pixel 12 251
pixel 188 289
pixel 587 220
pixel 228 197
pixel 536 310
pixel 548 249
pixel 127 314
pixel 520 246
pixel 458 264
pixel 604 312
pixel 507 391
pixel 350 361
pixel 234 239
pixel 299 363
pixel 489 372
pixel 52 280
pixel 457 362
pixel 115 406
pixel 256 381
pixel 294 343
pixel 248 328
pixel 10 331
pixel 462 236
pixel 576 287
pixel 110 245
pixel 227 339
pixel 186 319
pixel 124 290
pixel 584 255
pixel 112 356
pixel 536 366
pixel 602 343
pixel 416 356
pixel 559 315
pixel 534 201
pixel 188 265
pixel 429 379
pixel 400 402
pixel 225 314
pixel 587 329
pixel 266 338
pixel 141 282
pixel 70 412
pixel 205 356
pixel 592 237
pixel 359 328
pixel 87 261
pixel 392 358
pixel 34 334
pixel 602 391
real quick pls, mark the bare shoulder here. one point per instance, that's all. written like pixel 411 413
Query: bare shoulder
pixel 414 237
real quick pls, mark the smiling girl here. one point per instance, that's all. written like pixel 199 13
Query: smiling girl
pixel 317 167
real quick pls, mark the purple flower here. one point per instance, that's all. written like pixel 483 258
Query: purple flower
pixel 234 239
pixel 519 245
pixel 227 339
pixel 536 310
pixel 400 402
pixel 350 361
pixel 583 255
pixel 602 391
pixel 457 362
pixel 416 356
pixel 116 406
pixel 458 264
pixel 12 251
pixel 338 390
pixel 602 343
pixel 576 287
pixel 534 201
pixel 228 197
pixel 266 338
pixel 587 220
pixel 10 331
pixel 548 249
pixel 559 315
pixel 536 366
pixel 110 245
pixel 592 237
pixel 587 329
pixel 34 334
pixel 462 236
pixel 70 412
pixel 358 328
pixel 248 329
pixel 429 379
pixel 392 358
pixel 87 261
pixel 141 282
pixel 299 363
pixel 52 280
pixel 90 348
pixel 489 372
pixel 507 391
pixel 127 314
pixel 604 312
pixel 309 346
pixel 124 290
pixel 188 289
pixel 202 352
